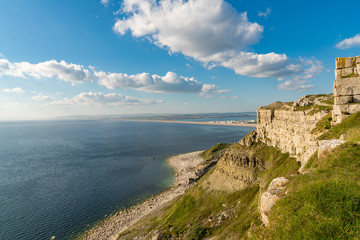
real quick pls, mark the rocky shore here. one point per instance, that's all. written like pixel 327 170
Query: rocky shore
pixel 185 166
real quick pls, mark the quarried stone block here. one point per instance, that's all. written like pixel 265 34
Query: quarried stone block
pixel 343 100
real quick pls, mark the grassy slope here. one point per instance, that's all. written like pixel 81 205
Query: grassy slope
pixel 205 212
pixel 350 127
pixel 324 203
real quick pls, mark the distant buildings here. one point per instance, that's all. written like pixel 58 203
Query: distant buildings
pixel 234 121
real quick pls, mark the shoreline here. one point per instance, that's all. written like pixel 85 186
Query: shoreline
pixel 184 166
pixel 190 122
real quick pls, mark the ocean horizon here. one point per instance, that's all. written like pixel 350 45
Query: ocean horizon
pixel 59 177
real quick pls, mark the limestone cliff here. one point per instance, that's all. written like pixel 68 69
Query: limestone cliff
pixel 288 126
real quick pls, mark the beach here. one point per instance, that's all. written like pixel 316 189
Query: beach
pixel 184 165
pixel 192 122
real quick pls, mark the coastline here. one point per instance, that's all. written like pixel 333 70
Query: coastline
pixel 190 122
pixel 184 166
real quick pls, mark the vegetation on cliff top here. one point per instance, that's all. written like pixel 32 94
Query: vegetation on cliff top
pixel 350 127
pixel 325 201
pixel 322 204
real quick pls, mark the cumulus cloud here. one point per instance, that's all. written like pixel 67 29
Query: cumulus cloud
pixel 210 31
pixel 170 83
pixel 264 14
pixel 209 90
pixel 67 72
pixel 109 99
pixel 14 90
pixel 41 97
pixel 349 42
pixel 301 82
pixel 76 74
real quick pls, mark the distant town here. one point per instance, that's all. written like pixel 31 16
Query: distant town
pixel 234 121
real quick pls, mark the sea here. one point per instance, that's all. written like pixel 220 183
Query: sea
pixel 59 177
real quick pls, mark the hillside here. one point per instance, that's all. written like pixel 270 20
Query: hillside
pixel 296 177
pixel 225 202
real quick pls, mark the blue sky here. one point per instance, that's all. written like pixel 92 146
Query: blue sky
pixel 77 57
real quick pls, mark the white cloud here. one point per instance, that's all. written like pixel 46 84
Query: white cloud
pixel 170 83
pixel 232 97
pixel 67 72
pixel 101 99
pixel 14 90
pixel 258 65
pixel 210 31
pixel 2 55
pixel 264 14
pixel 299 85
pixel 349 42
pixel 76 74
pixel 209 90
pixel 41 97
pixel 105 2
pixel 312 68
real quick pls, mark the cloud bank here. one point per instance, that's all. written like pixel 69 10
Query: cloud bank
pixel 14 90
pixel 210 31
pixel 349 42
pixel 101 99
pixel 78 74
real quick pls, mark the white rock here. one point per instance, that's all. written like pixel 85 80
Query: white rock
pixel 328 145
pixel 270 197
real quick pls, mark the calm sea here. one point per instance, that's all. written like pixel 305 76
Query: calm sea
pixel 57 177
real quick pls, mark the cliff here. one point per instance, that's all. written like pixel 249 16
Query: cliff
pixel 255 189
pixel 289 126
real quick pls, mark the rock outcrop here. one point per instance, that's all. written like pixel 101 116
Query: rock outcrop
pixel 346 88
pixel 326 146
pixel 285 127
pixel 237 169
pixel 270 197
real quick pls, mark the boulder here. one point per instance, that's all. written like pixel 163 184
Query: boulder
pixel 270 197
pixel 302 102
pixel 327 145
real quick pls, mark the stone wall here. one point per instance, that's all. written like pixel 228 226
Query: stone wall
pixel 289 130
pixel 346 88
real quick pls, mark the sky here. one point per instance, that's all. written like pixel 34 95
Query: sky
pixel 96 57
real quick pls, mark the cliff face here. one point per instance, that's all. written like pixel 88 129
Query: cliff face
pixel 282 126
pixel 237 169
pixel 346 88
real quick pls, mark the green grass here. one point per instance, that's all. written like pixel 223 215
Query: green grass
pixel 313 108
pixel 188 216
pixel 323 124
pixel 215 152
pixel 350 127
pixel 350 75
pixel 324 204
